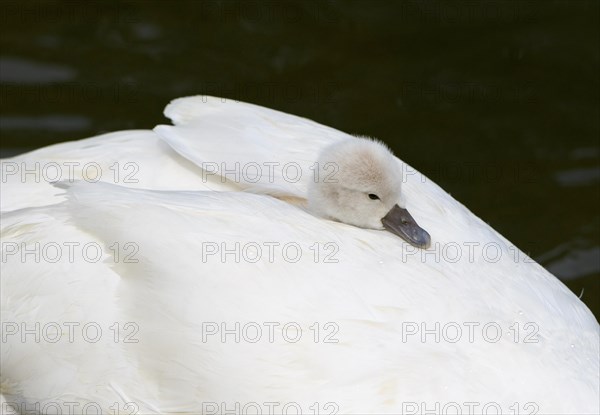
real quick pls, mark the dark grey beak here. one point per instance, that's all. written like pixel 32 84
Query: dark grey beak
pixel 398 221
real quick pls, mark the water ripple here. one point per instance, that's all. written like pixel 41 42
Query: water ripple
pixel 26 71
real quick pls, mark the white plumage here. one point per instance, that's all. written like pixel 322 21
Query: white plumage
pixel 364 291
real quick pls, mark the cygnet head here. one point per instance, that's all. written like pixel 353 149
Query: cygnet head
pixel 358 183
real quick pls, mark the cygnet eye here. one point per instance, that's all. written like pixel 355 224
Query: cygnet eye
pixel 373 196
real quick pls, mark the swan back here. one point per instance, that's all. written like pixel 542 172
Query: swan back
pixel 203 257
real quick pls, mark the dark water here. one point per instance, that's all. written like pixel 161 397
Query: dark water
pixel 497 101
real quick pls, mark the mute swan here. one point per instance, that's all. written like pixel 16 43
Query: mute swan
pixel 181 270
pixel 362 189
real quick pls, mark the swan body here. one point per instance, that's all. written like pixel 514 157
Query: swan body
pixel 197 258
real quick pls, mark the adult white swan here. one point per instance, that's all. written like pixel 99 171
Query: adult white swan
pixel 184 271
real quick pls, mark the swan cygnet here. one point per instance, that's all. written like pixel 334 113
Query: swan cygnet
pixel 359 183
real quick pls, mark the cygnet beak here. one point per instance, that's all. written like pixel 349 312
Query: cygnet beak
pixel 399 222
